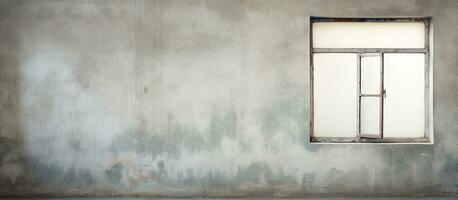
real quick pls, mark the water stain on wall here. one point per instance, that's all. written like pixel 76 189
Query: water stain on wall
pixel 197 98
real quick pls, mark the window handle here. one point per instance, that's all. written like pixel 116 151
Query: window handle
pixel 384 93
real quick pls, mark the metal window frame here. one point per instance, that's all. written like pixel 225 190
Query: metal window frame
pixel 428 135
pixel 361 95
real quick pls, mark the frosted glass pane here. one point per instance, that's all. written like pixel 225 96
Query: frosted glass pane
pixel 370 75
pixel 335 95
pixel 370 115
pixel 405 101
pixel 368 34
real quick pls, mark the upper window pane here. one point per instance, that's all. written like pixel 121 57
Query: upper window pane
pixel 368 35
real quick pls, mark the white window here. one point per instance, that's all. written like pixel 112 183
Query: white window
pixel 370 80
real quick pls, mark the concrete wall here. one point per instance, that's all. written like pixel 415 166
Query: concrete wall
pixel 197 98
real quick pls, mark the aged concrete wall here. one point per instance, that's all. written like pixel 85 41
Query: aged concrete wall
pixel 197 98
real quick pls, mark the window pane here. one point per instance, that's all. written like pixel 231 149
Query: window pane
pixel 370 75
pixel 335 95
pixel 405 95
pixel 370 115
pixel 368 34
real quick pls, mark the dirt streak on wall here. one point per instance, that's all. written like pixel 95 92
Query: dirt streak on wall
pixel 197 98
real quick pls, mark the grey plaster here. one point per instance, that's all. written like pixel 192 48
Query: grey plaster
pixel 197 98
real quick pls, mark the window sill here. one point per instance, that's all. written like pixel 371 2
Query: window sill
pixel 331 140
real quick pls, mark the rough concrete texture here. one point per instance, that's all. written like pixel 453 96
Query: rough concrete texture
pixel 197 98
pixel 311 198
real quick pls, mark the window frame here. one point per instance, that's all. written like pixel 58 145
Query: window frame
pixel 427 50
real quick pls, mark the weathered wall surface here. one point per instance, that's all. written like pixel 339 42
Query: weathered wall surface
pixel 197 98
